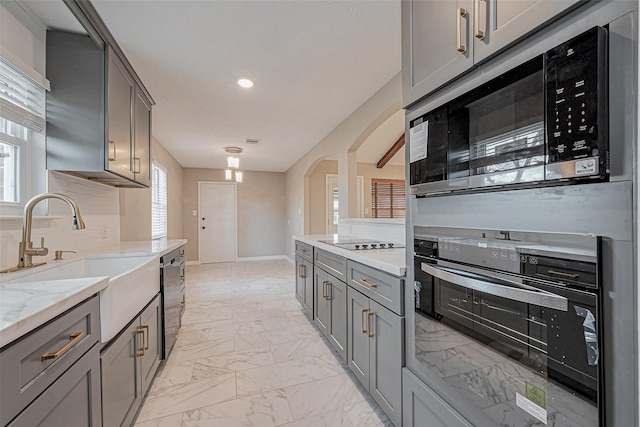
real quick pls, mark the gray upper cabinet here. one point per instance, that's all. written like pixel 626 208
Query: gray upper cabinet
pixel 142 138
pixel 436 45
pixel 120 96
pixel 442 39
pixel 98 116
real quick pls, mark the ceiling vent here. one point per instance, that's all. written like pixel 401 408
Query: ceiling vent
pixel 252 140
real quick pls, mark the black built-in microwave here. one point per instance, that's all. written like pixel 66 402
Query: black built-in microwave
pixel 544 122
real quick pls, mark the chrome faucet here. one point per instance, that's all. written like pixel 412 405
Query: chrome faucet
pixel 26 251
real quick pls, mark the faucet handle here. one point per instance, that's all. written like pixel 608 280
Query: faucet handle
pixel 58 254
pixel 42 242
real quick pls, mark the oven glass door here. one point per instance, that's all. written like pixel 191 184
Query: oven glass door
pixel 489 339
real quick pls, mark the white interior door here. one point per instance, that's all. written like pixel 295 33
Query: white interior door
pixel 217 222
pixel 332 202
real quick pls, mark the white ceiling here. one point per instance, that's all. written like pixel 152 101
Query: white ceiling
pixel 314 61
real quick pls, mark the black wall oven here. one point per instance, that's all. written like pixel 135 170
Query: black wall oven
pixel 511 322
pixel 542 123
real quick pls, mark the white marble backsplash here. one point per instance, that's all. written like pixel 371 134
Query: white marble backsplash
pixel 383 229
pixel 100 208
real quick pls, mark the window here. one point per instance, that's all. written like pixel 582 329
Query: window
pixel 387 198
pixel 158 201
pixel 22 111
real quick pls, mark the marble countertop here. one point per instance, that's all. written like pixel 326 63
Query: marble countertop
pixel 392 261
pixel 25 305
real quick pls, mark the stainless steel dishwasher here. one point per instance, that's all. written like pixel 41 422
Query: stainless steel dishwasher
pixel 172 287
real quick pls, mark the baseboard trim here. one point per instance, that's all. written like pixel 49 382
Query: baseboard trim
pixel 192 263
pixel 261 258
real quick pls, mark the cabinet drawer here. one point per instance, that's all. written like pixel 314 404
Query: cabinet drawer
pixel 304 250
pixel 333 264
pixel 24 372
pixel 381 287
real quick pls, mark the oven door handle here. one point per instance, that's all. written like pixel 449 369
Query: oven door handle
pixel 514 291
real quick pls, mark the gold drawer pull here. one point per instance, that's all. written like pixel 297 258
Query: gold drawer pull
pixel 561 274
pixel 460 13
pixel 369 316
pixel 74 338
pixel 367 283
pixel 140 351
pixel 364 310
pixel 146 346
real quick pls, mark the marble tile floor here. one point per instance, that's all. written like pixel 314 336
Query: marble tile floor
pixel 247 356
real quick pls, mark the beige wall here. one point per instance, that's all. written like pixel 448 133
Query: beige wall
pixel 135 203
pixel 341 144
pixel 261 212
pixel 318 194
pixel 318 189
pixel 369 171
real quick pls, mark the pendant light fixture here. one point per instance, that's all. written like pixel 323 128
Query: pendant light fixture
pixel 233 164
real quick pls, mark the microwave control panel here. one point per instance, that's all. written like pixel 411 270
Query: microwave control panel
pixel 576 96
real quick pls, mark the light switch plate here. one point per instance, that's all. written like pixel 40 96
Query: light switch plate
pixel 195 212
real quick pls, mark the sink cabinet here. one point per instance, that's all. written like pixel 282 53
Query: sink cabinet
pixel 51 376
pixel 128 365
pixel 98 117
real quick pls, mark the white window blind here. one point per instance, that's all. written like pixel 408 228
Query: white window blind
pixel 387 198
pixel 22 100
pixel 158 202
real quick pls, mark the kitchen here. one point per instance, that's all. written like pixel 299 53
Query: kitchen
pixel 122 223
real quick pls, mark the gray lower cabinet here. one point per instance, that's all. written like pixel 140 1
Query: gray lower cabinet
pixel 375 351
pixel 128 366
pixel 331 309
pixel 51 376
pixel 304 284
pixel 423 407
pixel 73 400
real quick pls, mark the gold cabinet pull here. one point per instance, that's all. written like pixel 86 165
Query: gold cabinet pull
pixel 301 274
pixel 328 298
pixel 369 316
pixel 325 290
pixel 73 339
pixel 140 351
pixel 476 20
pixel 367 283
pixel 146 346
pixel 460 13
pixel 562 274
pixel 364 310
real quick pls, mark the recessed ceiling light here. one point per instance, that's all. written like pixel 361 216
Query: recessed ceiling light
pixel 245 82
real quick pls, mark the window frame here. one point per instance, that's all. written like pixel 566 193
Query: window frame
pixel 155 166
pixel 374 198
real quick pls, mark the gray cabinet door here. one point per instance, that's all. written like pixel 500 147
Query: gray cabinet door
pixel 502 22
pixel 72 400
pixel 321 304
pixel 152 340
pixel 308 294
pixel 357 335
pixel 431 54
pixel 337 291
pixel 142 139
pixel 119 101
pixel 421 406
pixel 121 386
pixel 386 349
pixel 300 279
